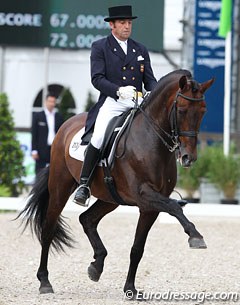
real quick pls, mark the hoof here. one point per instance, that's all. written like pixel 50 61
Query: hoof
pixel 93 274
pixel 182 202
pixel 46 289
pixel 197 243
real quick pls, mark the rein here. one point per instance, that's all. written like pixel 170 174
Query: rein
pixel 175 132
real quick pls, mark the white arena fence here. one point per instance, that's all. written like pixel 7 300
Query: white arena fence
pixel 191 209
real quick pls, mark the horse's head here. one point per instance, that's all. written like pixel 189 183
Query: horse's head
pixel 186 115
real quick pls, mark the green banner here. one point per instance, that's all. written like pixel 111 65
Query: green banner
pixel 225 18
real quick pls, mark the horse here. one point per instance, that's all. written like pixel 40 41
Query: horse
pixel 164 130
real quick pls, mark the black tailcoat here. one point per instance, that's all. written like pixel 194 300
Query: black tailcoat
pixel 40 133
pixel 111 69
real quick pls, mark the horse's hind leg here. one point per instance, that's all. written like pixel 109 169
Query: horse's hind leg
pixel 145 222
pixel 89 221
pixel 42 273
pixel 53 229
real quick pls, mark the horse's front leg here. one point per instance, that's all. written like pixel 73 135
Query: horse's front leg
pixel 154 201
pixel 89 221
pixel 145 223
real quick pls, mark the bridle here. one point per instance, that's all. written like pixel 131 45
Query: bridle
pixel 175 132
pixel 173 117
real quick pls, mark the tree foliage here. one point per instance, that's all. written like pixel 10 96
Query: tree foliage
pixel 67 105
pixel 90 102
pixel 11 155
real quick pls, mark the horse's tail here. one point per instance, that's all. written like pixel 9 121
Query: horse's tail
pixel 34 213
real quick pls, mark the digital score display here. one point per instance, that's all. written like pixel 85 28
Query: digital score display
pixel 72 24
pixel 65 31
pixel 76 38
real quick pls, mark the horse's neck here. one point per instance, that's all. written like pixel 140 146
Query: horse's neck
pixel 159 107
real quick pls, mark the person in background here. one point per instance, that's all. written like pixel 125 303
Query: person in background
pixel 120 69
pixel 45 124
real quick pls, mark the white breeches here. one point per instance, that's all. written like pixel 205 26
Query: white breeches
pixel 109 109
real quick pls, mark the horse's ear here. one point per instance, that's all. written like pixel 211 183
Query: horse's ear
pixel 206 85
pixel 182 82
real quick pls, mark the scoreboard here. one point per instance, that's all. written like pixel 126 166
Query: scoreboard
pixel 74 24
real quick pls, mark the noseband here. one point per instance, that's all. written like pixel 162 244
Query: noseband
pixel 175 132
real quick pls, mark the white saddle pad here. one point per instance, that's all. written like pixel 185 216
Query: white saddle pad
pixel 76 150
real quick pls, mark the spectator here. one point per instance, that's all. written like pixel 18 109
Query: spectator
pixel 45 124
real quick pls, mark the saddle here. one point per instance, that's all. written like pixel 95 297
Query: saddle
pixel 113 133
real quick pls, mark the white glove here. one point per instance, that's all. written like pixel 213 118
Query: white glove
pixel 127 92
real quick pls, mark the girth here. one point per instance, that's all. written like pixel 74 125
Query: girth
pixel 114 132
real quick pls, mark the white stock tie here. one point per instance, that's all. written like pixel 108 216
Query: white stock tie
pixel 123 45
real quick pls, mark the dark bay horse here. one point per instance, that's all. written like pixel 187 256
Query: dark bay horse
pixel 165 127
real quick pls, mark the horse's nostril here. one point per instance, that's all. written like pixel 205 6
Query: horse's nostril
pixel 186 162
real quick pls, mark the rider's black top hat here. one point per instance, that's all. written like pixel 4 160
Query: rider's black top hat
pixel 120 12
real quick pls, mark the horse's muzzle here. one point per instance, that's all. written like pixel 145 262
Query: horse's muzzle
pixel 186 160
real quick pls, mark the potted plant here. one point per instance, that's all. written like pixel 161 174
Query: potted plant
pixel 5 191
pixel 224 173
pixel 189 182
pixel 189 179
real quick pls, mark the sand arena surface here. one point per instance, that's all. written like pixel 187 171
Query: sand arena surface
pixel 168 265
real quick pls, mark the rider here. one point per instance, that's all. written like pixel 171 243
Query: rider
pixel 119 68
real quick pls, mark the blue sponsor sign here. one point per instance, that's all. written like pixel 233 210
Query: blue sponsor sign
pixel 209 61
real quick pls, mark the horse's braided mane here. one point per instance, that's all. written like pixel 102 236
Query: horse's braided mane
pixel 168 76
pixel 180 71
pixel 163 81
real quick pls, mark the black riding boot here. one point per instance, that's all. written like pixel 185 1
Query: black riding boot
pixel 90 161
